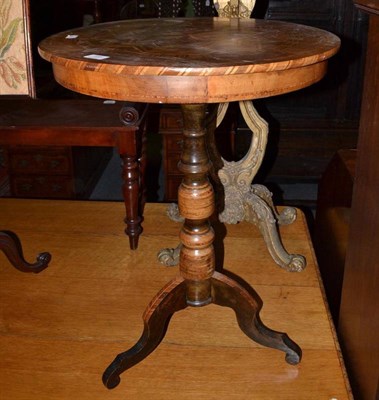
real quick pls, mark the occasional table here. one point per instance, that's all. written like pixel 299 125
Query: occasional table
pixel 192 62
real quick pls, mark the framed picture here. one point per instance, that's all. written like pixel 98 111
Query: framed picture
pixel 16 69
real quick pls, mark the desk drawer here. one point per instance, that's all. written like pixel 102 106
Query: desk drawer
pixel 170 120
pixel 55 171
pixel 43 186
pixel 36 160
pixel 173 143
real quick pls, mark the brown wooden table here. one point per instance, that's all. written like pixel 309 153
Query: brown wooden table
pixel 192 62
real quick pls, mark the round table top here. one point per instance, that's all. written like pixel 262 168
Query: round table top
pixel 189 60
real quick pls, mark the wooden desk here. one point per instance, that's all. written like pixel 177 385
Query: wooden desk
pixel 193 62
pixel 58 327
pixel 82 123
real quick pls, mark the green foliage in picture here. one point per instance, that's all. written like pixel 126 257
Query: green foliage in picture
pixel 12 72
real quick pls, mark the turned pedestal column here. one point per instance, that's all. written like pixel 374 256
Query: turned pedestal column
pixel 198 283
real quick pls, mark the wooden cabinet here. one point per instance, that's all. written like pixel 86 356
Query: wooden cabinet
pixel 359 318
pixel 41 172
pixel 54 172
pixel 331 228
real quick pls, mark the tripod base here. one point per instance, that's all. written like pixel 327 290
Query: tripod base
pixel 225 292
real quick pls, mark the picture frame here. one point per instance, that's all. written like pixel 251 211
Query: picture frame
pixel 16 64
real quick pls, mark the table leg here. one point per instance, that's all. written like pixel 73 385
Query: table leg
pixel 198 284
pixel 131 146
pixel 11 246
pixel 131 187
pixel 169 300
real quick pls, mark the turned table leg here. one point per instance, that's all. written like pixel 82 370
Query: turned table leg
pixel 11 246
pixel 198 284
pixel 132 151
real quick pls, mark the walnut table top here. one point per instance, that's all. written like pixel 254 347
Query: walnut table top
pixel 191 60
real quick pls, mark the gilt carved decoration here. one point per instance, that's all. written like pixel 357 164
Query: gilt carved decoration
pixel 234 8
pixel 253 203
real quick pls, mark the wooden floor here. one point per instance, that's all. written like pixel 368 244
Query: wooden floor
pixel 61 328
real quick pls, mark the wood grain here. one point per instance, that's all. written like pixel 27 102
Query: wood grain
pixel 60 328
pixel 191 60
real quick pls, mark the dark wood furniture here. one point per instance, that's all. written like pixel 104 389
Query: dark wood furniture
pixel 59 172
pixel 332 223
pixel 192 62
pixel 359 319
pixel 62 123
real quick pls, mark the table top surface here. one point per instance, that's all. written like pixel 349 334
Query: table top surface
pixel 193 45
pixel 176 51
